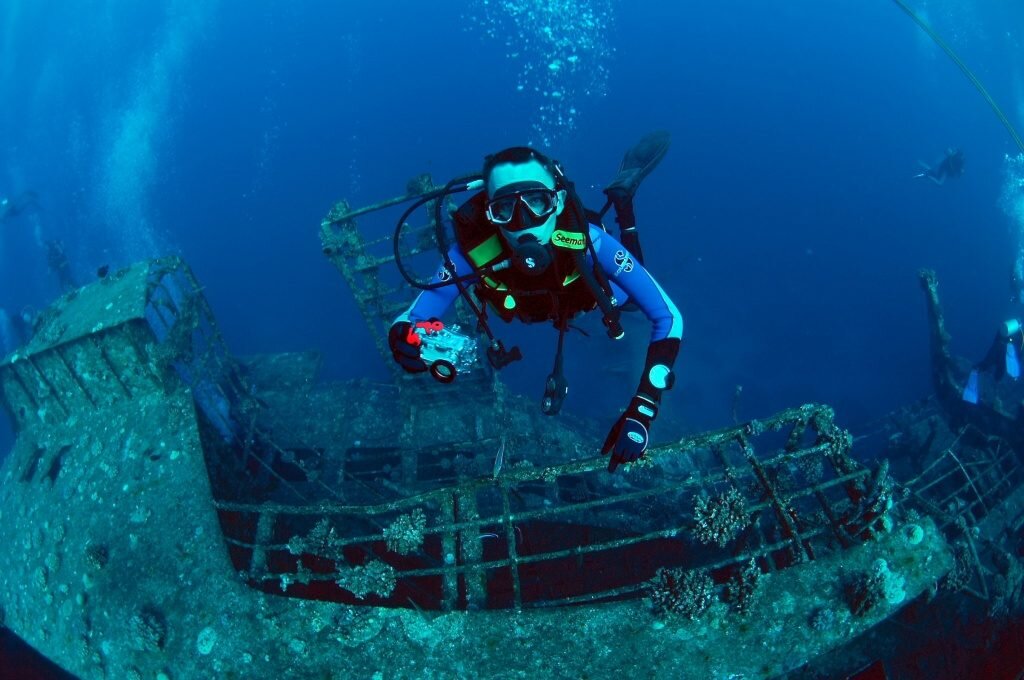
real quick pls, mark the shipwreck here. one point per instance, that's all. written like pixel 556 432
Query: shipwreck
pixel 174 511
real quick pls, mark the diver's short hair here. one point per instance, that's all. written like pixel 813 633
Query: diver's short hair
pixel 518 154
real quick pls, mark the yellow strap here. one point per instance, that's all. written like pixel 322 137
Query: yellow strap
pixel 486 252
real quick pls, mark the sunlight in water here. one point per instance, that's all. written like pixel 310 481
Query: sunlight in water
pixel 7 42
pixel 142 128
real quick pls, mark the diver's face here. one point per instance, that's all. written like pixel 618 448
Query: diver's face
pixel 526 187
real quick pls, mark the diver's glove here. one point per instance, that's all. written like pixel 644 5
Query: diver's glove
pixel 405 347
pixel 628 438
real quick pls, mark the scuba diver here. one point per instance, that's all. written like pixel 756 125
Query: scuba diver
pixel 59 265
pixel 529 250
pixel 1002 358
pixel 15 329
pixel 15 205
pixel 950 166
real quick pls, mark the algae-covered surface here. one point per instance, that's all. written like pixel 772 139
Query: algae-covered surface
pixel 123 568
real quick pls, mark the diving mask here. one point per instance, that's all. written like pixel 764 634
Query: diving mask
pixel 531 202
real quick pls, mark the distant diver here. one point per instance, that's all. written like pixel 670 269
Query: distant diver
pixel 1002 359
pixel 530 251
pixel 15 329
pixel 13 206
pixel 952 166
pixel 60 266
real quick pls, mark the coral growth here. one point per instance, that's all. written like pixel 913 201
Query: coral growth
pixel 863 592
pixel 678 591
pixel 823 619
pixel 879 492
pixel 206 640
pixel 960 575
pixel 322 540
pixel 913 534
pixel 96 556
pixel 405 534
pixel 375 577
pixel 303 574
pixel 741 590
pixel 870 588
pixel 148 630
pixel 719 519
pixel 1007 585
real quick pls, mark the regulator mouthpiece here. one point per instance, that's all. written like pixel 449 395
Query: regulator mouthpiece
pixel 530 256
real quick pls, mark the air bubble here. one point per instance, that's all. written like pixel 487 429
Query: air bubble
pixel 562 51
pixel 1013 204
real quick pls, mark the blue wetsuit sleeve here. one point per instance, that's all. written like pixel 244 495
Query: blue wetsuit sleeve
pixel 625 273
pixel 430 304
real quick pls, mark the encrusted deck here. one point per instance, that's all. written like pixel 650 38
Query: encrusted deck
pixel 184 513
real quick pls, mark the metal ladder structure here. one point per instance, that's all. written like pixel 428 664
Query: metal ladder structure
pixel 368 266
pixel 784 492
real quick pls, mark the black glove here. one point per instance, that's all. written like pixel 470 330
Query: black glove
pixel 628 438
pixel 405 347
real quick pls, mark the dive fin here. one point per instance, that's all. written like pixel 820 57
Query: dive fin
pixel 970 394
pixel 638 162
pixel 1012 361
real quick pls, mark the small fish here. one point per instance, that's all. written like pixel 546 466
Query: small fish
pixel 103 271
pixel 499 459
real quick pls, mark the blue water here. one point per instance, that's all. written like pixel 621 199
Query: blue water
pixel 784 222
